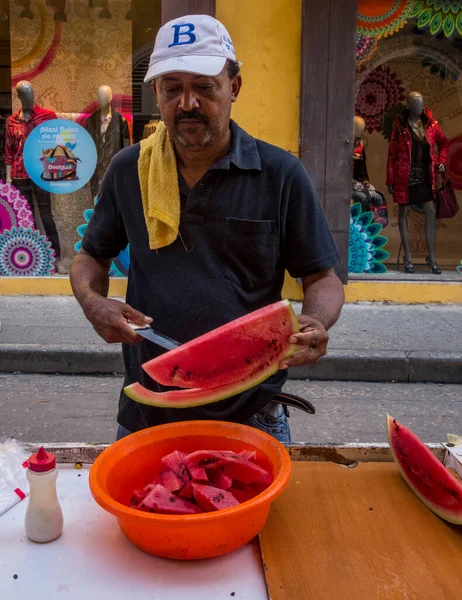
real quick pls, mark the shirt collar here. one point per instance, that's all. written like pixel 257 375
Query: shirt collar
pixel 243 152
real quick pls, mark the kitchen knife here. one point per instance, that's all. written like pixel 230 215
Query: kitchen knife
pixel 148 333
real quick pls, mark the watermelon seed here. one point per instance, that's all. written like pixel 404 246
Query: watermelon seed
pixel 247 360
pixel 270 345
pixel 172 499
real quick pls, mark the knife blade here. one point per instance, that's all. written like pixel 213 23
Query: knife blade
pixel 150 334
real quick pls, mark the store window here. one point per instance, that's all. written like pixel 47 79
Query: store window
pixel 71 96
pixel 404 47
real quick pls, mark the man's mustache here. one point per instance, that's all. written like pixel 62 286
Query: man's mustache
pixel 192 114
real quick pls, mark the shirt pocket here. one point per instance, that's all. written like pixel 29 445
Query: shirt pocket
pixel 250 250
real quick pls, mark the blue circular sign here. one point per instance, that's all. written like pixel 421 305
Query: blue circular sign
pixel 60 156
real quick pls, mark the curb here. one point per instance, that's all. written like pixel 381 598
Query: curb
pixel 61 359
pixel 339 365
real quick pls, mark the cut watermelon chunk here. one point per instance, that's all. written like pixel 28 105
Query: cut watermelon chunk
pixel 197 473
pixel 175 462
pixel 240 495
pixel 248 455
pixel 187 491
pixel 216 488
pixel 223 362
pixel 160 500
pixel 210 498
pixel 247 472
pixel 210 458
pixel 171 481
pixel 221 480
pixel 427 477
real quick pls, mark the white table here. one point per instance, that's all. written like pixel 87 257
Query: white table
pixel 93 560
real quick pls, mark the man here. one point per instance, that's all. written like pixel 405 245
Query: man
pixel 248 212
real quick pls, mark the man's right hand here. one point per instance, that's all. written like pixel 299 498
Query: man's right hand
pixel 390 189
pixel 110 320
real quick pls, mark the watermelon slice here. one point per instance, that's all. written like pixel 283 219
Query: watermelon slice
pixel 223 362
pixel 427 477
pixel 210 498
pixel 160 500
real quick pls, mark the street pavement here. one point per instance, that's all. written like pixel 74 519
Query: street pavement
pixel 371 342
pixel 60 408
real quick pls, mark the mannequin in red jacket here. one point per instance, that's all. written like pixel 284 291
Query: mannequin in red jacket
pixel 417 153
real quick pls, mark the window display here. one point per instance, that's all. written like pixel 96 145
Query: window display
pixel 17 129
pixel 109 130
pixel 417 154
pixel 409 95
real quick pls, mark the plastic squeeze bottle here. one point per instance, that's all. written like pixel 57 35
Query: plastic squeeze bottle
pixel 44 517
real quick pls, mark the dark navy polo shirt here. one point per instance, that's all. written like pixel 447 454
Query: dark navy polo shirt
pixel 253 215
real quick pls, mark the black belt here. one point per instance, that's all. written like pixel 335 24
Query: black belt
pixel 294 401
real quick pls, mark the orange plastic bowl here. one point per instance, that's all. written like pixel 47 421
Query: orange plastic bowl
pixel 134 461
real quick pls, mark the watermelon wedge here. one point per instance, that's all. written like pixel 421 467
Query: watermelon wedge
pixel 427 477
pixel 160 500
pixel 224 362
pixel 211 498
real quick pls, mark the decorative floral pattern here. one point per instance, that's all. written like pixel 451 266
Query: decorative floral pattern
pixel 365 253
pixel 26 253
pixel 438 16
pixel 119 266
pixel 381 18
pixel 455 162
pixel 380 91
pixel 365 48
pixel 14 209
pixel 459 268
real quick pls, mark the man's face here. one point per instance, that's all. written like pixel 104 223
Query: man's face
pixel 196 108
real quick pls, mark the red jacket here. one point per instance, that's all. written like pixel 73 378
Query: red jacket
pixel 16 133
pixel 399 154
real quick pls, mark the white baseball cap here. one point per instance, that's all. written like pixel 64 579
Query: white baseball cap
pixel 192 44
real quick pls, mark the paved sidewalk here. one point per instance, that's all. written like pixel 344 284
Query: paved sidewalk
pixel 371 342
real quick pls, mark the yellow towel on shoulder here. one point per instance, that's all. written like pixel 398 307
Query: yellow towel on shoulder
pixel 160 193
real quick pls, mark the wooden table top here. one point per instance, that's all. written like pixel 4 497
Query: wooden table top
pixel 342 533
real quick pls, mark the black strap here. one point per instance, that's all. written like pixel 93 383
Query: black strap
pixel 295 402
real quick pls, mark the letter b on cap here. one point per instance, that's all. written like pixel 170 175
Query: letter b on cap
pixel 181 32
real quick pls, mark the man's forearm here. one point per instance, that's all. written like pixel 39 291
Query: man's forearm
pixel 89 278
pixel 323 297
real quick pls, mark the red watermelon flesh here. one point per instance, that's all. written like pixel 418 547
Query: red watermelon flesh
pixel 221 480
pixel 210 458
pixel 427 477
pixel 187 491
pixel 176 462
pixel 240 495
pixel 137 497
pixel 210 498
pixel 160 500
pixel 171 481
pixel 247 472
pixel 249 346
pixel 248 455
pixel 197 473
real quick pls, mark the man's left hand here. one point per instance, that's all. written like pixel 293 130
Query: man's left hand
pixel 441 168
pixel 311 343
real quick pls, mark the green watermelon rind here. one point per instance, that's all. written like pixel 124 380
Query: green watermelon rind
pixel 170 369
pixel 198 397
pixel 454 516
